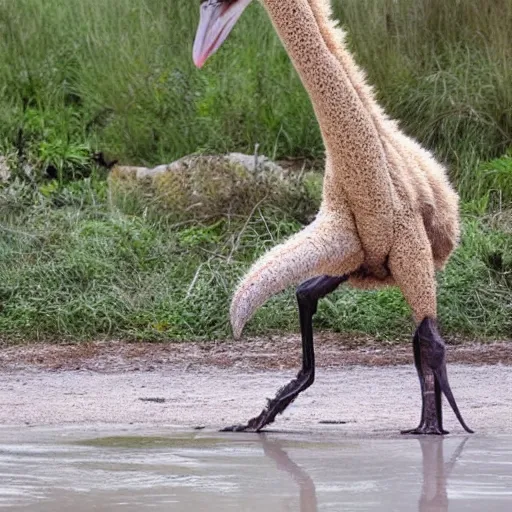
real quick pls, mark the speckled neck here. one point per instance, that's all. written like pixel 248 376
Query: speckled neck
pixel 339 110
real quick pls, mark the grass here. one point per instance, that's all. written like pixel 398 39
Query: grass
pixel 75 266
pixel 444 70
pixel 78 260
pixel 80 75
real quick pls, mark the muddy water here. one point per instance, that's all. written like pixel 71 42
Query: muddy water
pixel 69 469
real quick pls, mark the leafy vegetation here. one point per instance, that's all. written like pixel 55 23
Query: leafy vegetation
pixel 118 77
pixel 79 259
pixel 73 266
pixel 493 182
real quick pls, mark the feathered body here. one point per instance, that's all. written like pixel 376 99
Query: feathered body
pixel 389 215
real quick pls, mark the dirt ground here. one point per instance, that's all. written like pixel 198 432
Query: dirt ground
pixel 369 390
pixel 271 353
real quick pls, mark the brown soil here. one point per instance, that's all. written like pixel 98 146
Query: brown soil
pixel 283 352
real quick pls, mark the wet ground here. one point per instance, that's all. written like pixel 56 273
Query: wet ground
pixel 122 468
pixel 127 427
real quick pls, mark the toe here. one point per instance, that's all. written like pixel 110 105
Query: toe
pixel 426 431
pixel 234 428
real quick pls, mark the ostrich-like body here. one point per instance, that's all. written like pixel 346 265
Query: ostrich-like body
pixel 388 215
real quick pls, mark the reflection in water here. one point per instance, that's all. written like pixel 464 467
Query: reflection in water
pixel 307 487
pixel 436 471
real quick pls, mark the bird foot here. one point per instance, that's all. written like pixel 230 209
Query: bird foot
pixel 430 355
pixel 425 430
pixel 237 428
pixel 253 425
pixel 285 396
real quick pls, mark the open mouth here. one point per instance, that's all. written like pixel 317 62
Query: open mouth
pixel 217 19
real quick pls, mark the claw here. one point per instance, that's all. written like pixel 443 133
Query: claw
pixel 236 428
pixel 442 380
pixel 424 430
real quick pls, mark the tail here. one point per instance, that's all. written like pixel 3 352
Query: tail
pixel 324 247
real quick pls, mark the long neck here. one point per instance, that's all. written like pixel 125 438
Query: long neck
pixel 347 127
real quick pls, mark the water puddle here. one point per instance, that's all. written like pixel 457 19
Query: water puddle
pixel 83 471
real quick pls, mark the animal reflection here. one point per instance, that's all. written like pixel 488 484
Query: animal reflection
pixel 436 471
pixel 435 474
pixel 273 450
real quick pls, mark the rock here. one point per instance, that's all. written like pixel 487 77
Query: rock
pixel 251 163
pixel 156 400
pixel 5 171
pixel 254 163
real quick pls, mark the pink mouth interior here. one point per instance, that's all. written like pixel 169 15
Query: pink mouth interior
pixel 210 49
pixel 215 29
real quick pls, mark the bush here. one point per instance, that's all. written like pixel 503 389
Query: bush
pixel 205 188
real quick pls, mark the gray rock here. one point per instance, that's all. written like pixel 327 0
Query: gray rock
pixel 252 163
pixel 5 171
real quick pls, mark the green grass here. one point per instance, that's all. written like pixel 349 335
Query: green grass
pixel 493 182
pixel 74 266
pixel 78 75
pixel 444 69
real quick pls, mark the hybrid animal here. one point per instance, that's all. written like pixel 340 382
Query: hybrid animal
pixel 388 215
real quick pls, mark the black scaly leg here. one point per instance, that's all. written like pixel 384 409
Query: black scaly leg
pixel 429 359
pixel 308 295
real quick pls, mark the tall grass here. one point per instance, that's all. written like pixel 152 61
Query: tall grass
pixel 444 69
pixel 118 76
pixel 75 266
pixel 126 69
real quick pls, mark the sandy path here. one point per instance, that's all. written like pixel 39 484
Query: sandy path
pixel 371 400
